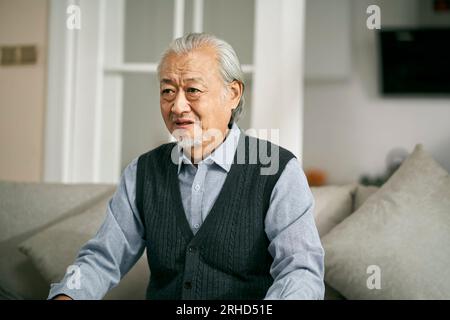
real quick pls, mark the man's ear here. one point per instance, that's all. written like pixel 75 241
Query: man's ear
pixel 236 89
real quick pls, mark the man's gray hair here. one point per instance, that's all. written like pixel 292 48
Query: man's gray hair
pixel 229 65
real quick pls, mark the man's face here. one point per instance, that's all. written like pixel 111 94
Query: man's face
pixel 193 97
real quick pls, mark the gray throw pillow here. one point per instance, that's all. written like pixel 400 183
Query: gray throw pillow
pixel 54 249
pixel 362 194
pixel 332 205
pixel 396 245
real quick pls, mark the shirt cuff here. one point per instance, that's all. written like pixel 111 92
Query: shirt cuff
pixel 61 288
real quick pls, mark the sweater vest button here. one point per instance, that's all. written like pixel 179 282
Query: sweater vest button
pixel 188 285
pixel 192 249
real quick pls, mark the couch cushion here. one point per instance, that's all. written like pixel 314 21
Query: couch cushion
pixel 19 279
pixel 332 205
pixel 362 193
pixel 55 248
pixel 332 294
pixel 25 209
pixel 28 206
pixel 401 234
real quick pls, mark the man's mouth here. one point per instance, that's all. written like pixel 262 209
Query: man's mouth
pixel 183 123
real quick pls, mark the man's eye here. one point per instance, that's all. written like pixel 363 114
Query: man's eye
pixel 166 91
pixel 193 90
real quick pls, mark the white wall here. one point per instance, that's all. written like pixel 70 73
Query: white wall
pixel 349 128
pixel 22 91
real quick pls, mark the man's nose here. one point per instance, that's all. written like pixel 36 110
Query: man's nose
pixel 180 104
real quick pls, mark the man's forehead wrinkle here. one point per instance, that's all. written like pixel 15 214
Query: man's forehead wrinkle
pixel 182 74
pixel 195 66
pixel 174 81
pixel 181 69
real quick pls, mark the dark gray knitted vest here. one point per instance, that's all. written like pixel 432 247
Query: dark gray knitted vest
pixel 228 257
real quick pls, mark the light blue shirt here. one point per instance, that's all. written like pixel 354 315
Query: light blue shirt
pixel 297 268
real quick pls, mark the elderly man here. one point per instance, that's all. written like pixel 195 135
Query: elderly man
pixel 215 224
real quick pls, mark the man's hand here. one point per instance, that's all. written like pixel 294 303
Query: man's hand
pixel 62 297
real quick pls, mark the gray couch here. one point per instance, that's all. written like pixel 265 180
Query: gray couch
pixel 42 226
pixel 380 243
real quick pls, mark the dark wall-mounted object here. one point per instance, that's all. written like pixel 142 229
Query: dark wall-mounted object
pixel 415 61
pixel 441 5
pixel 18 55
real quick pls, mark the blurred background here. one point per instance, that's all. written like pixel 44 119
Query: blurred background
pixel 77 105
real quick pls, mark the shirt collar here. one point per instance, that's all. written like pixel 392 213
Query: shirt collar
pixel 223 156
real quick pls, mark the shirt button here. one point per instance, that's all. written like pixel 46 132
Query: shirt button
pixel 187 285
pixel 196 226
pixel 197 187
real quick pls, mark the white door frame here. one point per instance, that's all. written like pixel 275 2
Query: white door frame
pixel 277 101
pixel 83 127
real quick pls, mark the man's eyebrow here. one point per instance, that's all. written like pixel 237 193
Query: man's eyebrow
pixel 170 81
pixel 167 81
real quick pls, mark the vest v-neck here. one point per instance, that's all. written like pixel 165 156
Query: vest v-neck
pixel 176 197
